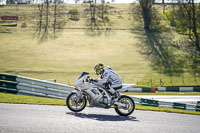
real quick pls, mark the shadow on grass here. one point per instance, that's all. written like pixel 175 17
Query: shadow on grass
pixel 101 117
pixel 157 47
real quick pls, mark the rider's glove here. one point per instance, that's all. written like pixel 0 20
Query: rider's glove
pixel 93 80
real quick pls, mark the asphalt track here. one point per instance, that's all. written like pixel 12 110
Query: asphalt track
pixel 24 118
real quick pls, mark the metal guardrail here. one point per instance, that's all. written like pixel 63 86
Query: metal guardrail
pixel 179 89
pixel 174 105
pixel 166 89
pixel 34 87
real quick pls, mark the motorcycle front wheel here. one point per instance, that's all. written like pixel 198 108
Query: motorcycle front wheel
pixel 130 106
pixel 72 103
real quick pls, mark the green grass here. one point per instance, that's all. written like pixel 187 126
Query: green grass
pixel 19 99
pixel 75 51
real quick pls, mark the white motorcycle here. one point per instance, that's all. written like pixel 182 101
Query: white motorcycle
pixel 87 89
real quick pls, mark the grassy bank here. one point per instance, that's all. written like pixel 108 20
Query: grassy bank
pixel 75 50
pixel 18 99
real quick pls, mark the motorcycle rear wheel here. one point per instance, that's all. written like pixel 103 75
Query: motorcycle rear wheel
pixel 73 105
pixel 125 111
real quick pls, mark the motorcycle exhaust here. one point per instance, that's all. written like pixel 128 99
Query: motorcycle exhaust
pixel 121 104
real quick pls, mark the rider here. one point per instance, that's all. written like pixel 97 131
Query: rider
pixel 109 78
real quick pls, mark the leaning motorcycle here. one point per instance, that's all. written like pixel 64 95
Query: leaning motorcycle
pixel 88 91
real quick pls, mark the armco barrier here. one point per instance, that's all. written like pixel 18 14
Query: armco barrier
pixel 149 102
pixel 179 89
pixel 179 106
pixel 33 87
pixel 198 108
pixel 155 103
pixel 6 90
pixel 141 89
pixel 196 89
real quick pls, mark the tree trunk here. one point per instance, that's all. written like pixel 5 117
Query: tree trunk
pixel 146 12
pixel 55 13
pixel 40 7
pixel 47 16
pixel 195 26
pixel 102 11
pixel 163 3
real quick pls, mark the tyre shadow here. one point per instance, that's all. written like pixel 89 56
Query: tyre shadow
pixel 101 117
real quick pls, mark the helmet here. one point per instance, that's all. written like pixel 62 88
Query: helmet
pixel 98 68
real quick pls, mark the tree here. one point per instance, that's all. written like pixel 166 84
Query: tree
pixel 99 20
pixel 189 11
pixel 195 25
pixel 163 3
pixel 146 12
pixel 50 20
pixel 74 13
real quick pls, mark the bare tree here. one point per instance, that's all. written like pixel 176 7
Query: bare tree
pixel 50 20
pixel 47 16
pixel 93 23
pixel 40 8
pixel 55 14
pixel 99 19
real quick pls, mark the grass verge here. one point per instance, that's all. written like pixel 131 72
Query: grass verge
pixel 19 99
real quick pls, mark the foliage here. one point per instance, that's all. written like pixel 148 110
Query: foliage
pixel 74 13
pixel 155 17
pixel 184 21
pixel 23 25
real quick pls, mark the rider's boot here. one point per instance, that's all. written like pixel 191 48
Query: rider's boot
pixel 114 93
pixel 116 97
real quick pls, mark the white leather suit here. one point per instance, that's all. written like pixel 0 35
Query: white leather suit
pixel 110 79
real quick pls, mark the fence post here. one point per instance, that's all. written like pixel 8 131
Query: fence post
pixel 183 79
pixel 195 78
pixel 151 82
pixel 171 79
pixel 161 82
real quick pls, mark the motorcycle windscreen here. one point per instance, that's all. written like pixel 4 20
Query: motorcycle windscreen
pixel 83 74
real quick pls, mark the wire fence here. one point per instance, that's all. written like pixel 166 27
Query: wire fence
pixel 170 81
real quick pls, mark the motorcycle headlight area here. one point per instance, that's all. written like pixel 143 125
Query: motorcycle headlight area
pixel 77 88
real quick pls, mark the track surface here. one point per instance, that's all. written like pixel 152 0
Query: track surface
pixel 58 119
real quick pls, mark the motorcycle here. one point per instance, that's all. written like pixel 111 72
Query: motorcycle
pixel 87 89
